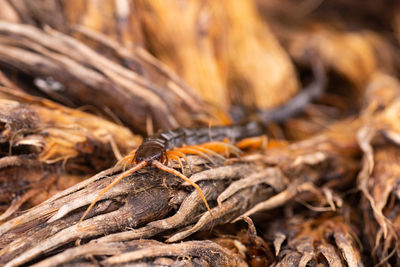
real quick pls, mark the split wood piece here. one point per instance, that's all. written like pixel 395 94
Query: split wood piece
pixel 144 193
pixel 39 135
pixel 271 176
pixel 47 178
pixel 309 236
pixel 184 215
pixel 378 178
pixel 136 212
pixel 208 251
pixel 72 255
pixel 226 212
pixel 59 132
pixel 281 198
pixel 224 172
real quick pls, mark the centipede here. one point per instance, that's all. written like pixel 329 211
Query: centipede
pixel 173 145
pixel 159 150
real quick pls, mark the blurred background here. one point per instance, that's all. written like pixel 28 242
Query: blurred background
pixel 227 59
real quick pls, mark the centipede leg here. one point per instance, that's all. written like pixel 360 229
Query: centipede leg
pixel 183 177
pixel 253 142
pixel 126 160
pixel 221 147
pixel 217 147
pixel 178 159
pixel 207 151
pixel 135 168
pixel 188 150
pixel 180 155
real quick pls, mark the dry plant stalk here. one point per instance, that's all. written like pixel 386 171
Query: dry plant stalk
pixel 40 137
pixel 73 78
pixel 234 51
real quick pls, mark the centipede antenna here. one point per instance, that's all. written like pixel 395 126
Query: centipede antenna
pixel 135 168
pixel 183 177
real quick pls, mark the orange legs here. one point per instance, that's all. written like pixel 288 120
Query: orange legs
pixel 177 155
pixel 195 151
pixel 253 142
pixel 204 150
pixel 208 149
pixel 135 168
pixel 222 147
pixel 176 158
pixel 126 160
pixel 183 177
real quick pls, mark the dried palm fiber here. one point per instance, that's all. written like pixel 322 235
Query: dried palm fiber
pixel 41 138
pixel 137 101
pixel 204 40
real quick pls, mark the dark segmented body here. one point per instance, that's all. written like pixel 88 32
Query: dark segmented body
pixel 196 136
pixel 155 147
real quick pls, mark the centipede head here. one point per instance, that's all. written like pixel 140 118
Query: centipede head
pixel 149 151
